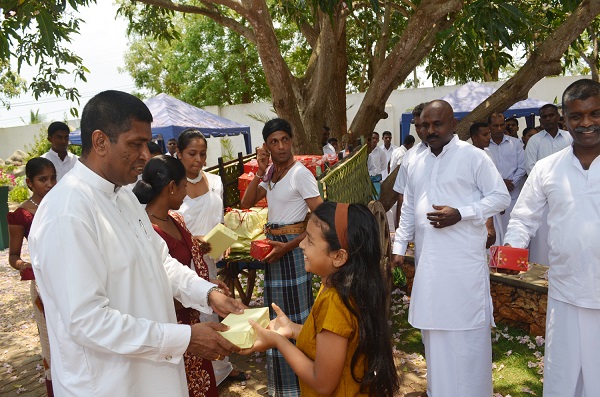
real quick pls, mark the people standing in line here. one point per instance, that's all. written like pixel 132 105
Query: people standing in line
pixel 400 182
pixel 106 278
pixel 40 178
pixel 344 347
pixel 388 149
pixel 480 137
pixel 376 162
pixel 291 191
pixel 546 142
pixel 568 184
pixel 162 189
pixel 452 189
pixel 202 210
pixel 509 157
pixel 63 160
pixel 172 147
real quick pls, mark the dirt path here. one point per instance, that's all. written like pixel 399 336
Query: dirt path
pixel 21 372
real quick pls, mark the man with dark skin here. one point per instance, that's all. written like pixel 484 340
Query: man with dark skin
pixel 480 135
pixel 451 190
pixel 63 160
pixel 172 147
pixel 512 127
pixel 563 183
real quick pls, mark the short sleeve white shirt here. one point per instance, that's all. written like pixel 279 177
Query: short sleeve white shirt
pixel 62 166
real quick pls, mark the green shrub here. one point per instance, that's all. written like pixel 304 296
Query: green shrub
pixel 39 146
pixel 18 194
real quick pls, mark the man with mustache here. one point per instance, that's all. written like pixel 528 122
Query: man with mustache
pixel 452 189
pixel 568 182
pixel 106 278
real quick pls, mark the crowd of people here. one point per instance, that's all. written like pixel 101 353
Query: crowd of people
pixel 127 300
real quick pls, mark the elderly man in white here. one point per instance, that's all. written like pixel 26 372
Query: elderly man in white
pixel 568 183
pixel 452 189
pixel 106 278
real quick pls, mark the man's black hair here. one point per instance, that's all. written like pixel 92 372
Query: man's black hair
pixel 474 129
pixel 57 126
pixel 275 125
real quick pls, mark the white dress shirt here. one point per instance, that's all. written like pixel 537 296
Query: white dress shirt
pixel 108 283
pixel 397 157
pixel 543 145
pixel 62 166
pixel 509 158
pixel 329 149
pixel 573 198
pixel 377 161
pixel 451 285
pixel 400 182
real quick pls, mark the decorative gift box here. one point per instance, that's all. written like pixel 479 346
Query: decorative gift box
pixel 259 249
pixel 246 223
pixel 240 331
pixel 244 181
pixel 504 257
pixel 220 238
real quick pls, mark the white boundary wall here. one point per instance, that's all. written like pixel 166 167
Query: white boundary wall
pixel 548 89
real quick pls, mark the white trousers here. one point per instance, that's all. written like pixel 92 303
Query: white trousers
pixel 572 357
pixel 459 363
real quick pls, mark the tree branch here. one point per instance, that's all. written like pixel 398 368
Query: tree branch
pixel 544 61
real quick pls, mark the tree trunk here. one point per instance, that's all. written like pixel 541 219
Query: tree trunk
pixel 544 61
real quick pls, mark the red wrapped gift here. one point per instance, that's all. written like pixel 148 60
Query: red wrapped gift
pixel 504 257
pixel 27 274
pixel 259 249
pixel 251 166
pixel 244 180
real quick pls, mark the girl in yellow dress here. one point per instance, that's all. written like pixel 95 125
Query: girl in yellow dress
pixel 344 347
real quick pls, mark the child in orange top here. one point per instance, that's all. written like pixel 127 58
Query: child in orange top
pixel 343 348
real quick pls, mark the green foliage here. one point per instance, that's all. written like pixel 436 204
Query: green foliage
pixel 35 32
pixel 18 194
pixel 227 149
pixel 39 146
pixel 35 117
pixel 11 85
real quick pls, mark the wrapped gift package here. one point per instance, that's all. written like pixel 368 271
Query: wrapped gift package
pixel 27 274
pixel 259 249
pixel 504 257
pixel 220 238
pixel 244 181
pixel 246 223
pixel 240 332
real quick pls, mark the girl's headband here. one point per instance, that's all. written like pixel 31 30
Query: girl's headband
pixel 341 224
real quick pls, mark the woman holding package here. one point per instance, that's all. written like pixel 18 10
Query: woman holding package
pixel 202 210
pixel 40 178
pixel 162 189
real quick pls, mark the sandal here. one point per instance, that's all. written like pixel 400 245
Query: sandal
pixel 240 377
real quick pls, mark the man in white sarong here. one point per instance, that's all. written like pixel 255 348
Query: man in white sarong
pixel 541 145
pixel 106 278
pixel 568 183
pixel 451 190
pixel 509 157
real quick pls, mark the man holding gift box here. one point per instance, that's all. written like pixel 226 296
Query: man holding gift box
pixel 568 182
pixel 452 188
pixel 105 276
pixel 291 190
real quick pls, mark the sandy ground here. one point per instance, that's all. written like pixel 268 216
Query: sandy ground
pixel 21 372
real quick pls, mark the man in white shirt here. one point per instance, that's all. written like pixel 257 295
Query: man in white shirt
pixel 509 157
pixel 388 149
pixel 105 276
pixel 399 152
pixel 291 191
pixel 376 162
pixel 172 147
pixel 541 145
pixel 452 189
pixel 568 183
pixel 63 160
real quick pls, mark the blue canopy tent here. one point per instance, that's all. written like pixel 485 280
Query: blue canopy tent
pixel 467 97
pixel 171 116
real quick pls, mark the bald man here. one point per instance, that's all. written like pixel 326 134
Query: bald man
pixel 452 188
